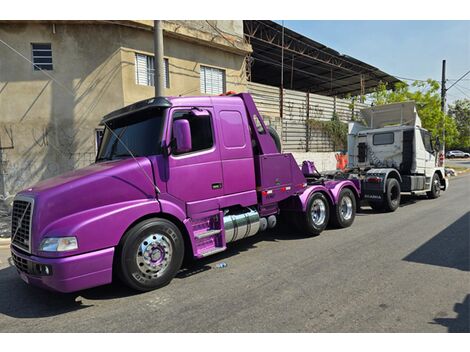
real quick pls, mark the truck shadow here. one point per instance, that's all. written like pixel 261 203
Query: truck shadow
pixel 405 201
pixel 449 248
pixel 19 300
pixel 282 232
pixel 462 322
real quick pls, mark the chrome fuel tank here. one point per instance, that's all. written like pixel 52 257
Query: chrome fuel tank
pixel 241 225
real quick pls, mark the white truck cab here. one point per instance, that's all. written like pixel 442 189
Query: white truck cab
pixel 390 143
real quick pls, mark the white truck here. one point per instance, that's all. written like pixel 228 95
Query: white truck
pixel 392 154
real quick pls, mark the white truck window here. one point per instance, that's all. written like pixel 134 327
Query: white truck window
pixel 383 138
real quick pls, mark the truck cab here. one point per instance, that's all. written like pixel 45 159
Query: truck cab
pixel 174 177
pixel 390 143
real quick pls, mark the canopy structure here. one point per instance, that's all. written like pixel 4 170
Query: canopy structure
pixel 307 64
pixel 395 114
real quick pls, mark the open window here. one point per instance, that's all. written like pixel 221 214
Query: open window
pixel 201 130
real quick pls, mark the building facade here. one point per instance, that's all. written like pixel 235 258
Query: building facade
pixel 58 78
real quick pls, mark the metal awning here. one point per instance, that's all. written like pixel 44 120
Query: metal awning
pixel 308 65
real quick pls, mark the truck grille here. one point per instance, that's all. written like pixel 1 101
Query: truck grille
pixel 20 263
pixel 21 224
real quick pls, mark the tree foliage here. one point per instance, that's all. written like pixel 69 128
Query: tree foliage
pixel 426 95
pixel 336 130
pixel 460 112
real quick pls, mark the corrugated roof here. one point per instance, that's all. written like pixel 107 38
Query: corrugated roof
pixel 308 65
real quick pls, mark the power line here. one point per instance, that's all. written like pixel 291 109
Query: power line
pixel 461 91
pixel 32 63
pixel 459 80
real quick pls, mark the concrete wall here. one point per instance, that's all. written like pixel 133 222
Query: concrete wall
pixel 47 128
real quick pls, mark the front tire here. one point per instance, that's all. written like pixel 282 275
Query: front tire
pixel 435 191
pixel 150 254
pixel 345 210
pixel 316 216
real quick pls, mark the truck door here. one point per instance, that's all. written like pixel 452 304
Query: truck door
pixel 428 153
pixel 196 176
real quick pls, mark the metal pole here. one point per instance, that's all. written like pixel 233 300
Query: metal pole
pixel 159 65
pixel 292 73
pixel 443 104
pixel 307 125
pixel 282 57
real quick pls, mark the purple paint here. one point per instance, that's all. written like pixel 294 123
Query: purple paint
pixel 99 203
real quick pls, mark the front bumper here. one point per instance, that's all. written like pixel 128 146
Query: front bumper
pixel 68 274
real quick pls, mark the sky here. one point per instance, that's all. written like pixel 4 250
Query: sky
pixel 408 49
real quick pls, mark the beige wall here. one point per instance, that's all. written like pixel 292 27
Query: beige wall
pixel 47 128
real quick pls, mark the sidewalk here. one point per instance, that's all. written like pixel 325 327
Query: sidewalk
pixel 5 222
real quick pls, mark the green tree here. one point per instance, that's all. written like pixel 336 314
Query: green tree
pixel 426 95
pixel 460 112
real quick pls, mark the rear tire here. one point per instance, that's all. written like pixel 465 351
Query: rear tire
pixel 345 209
pixel 316 216
pixel 150 254
pixel 391 197
pixel 435 191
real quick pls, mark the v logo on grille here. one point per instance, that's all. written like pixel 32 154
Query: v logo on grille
pixel 20 222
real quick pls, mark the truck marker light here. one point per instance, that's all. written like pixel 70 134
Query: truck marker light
pixel 265 193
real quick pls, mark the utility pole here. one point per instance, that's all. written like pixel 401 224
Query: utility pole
pixel 159 66
pixel 443 105
pixel 443 87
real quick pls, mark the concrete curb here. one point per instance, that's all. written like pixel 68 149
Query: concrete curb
pixel 5 243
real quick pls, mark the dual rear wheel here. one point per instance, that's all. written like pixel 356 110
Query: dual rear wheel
pixel 317 214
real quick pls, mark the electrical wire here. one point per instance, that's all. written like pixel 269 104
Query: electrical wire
pixel 73 95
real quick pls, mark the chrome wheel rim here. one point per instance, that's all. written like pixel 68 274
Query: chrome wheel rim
pixel 346 207
pixel 154 255
pixel 318 212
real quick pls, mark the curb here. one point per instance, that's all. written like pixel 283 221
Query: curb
pixel 5 243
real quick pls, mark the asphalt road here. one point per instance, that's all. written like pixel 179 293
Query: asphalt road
pixel 403 272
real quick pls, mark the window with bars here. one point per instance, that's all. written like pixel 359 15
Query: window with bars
pixel 42 56
pixel 212 80
pixel 145 70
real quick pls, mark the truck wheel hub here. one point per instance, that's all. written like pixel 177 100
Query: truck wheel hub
pixel 153 255
pixel 318 212
pixel 346 208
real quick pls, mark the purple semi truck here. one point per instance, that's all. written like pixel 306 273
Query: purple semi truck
pixel 174 177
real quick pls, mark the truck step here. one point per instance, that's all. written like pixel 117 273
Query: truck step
pixel 213 251
pixel 207 234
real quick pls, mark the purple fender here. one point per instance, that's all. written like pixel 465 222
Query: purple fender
pixel 101 227
pixel 304 197
pixel 335 187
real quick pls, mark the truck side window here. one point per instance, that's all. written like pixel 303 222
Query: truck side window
pixel 201 130
pixel 383 138
pixel 426 137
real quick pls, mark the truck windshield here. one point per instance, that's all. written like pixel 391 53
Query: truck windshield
pixel 141 133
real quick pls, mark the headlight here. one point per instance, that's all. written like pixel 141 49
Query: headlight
pixel 58 244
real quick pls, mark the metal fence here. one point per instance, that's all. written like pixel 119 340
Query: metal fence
pixel 296 109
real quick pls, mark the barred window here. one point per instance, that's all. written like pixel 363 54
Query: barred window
pixel 145 70
pixel 42 56
pixel 212 80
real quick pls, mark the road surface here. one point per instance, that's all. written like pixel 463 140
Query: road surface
pixel 402 272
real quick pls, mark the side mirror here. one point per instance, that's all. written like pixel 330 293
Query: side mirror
pixel 182 133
